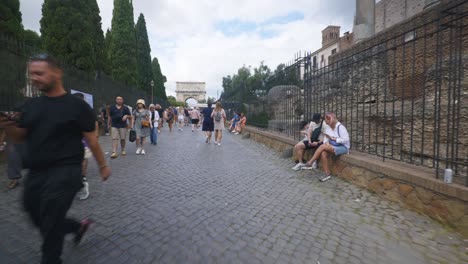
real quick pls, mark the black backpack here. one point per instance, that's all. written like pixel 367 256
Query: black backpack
pixel 316 133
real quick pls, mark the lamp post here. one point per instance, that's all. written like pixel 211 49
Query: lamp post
pixel 152 86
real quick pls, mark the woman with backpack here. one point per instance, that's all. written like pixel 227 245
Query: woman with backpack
pixel 219 117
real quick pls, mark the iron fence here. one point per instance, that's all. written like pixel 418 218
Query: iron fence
pixel 402 94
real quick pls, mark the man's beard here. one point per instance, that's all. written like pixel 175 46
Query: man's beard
pixel 47 87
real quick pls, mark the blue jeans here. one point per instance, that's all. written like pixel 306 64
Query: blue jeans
pixel 154 135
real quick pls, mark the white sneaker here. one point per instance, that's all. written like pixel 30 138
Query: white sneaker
pixel 325 178
pixel 310 167
pixel 216 142
pixel 314 165
pixel 84 193
pixel 138 151
pixel 143 152
pixel 219 144
pixel 298 166
pixel 237 133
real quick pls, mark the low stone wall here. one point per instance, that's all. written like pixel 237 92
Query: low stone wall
pixel 414 187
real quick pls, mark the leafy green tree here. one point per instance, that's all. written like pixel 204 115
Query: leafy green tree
pixel 71 30
pixel 159 80
pixel 122 46
pixel 173 102
pixel 145 72
pixel 10 19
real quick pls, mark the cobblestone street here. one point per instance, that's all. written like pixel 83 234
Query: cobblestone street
pixel 190 202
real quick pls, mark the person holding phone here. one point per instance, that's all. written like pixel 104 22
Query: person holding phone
pixel 52 126
pixel 336 142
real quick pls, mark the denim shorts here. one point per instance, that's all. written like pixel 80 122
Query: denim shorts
pixel 339 150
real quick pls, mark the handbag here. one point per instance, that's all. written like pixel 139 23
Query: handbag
pixel 132 135
pixel 145 123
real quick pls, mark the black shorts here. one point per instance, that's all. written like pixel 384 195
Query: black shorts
pixel 195 121
pixel 307 146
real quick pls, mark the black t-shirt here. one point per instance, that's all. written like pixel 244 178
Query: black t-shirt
pixel 116 116
pixel 55 126
pixel 160 112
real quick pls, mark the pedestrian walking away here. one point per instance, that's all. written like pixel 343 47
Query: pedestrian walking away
pixel 170 118
pixel 105 119
pixel 161 117
pixel 141 123
pixel 219 117
pixel 119 114
pixel 208 124
pixel 195 116
pixel 52 127
pixel 181 118
pixel 155 123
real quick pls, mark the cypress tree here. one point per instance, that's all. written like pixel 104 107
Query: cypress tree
pixel 122 46
pixel 107 65
pixel 145 72
pixel 10 19
pixel 71 30
pixel 159 80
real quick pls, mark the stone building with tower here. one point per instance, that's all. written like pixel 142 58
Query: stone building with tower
pixel 332 43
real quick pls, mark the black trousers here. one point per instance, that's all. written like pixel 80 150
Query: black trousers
pixel 48 195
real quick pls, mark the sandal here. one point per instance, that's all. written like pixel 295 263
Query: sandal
pixel 13 184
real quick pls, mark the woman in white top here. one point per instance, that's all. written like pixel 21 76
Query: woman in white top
pixel 336 141
pixel 155 120
pixel 180 117
pixel 219 117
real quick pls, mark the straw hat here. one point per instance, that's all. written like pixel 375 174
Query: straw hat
pixel 141 101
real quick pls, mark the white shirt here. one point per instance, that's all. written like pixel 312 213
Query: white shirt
pixel 342 137
pixel 156 118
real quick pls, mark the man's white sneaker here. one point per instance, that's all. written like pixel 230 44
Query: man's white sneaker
pixel 216 143
pixel 138 151
pixel 143 152
pixel 309 167
pixel 298 166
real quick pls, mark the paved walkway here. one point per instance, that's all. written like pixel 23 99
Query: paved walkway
pixel 190 202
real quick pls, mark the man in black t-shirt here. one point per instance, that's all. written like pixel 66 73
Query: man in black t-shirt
pixel 52 127
pixel 119 114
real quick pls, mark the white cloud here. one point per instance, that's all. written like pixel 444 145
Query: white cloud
pixel 184 38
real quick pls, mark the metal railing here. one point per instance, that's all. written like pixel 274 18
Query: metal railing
pixel 402 94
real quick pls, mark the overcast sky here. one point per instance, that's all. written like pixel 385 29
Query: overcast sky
pixel 204 40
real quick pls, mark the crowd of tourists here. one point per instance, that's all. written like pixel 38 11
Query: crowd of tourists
pixel 56 174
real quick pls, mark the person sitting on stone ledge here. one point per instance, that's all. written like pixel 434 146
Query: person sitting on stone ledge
pixel 311 140
pixel 233 122
pixel 241 124
pixel 336 141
